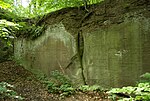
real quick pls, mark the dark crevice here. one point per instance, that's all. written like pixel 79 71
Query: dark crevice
pixel 80 45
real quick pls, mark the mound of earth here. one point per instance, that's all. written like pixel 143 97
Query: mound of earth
pixel 28 86
pixel 25 83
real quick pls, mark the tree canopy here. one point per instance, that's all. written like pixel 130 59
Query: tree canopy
pixel 31 8
pixel 13 13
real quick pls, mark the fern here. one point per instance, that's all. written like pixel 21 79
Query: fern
pixel 145 77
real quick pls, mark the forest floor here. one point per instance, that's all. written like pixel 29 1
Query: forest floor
pixel 27 85
pixel 30 87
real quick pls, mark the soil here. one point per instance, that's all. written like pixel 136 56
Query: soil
pixel 101 15
pixel 30 87
pixel 25 82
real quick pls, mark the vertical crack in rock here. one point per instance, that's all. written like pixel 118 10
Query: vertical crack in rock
pixel 80 45
pixel 80 50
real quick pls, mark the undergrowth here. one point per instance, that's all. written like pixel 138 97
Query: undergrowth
pixel 141 92
pixel 62 85
pixel 7 92
pixel 145 77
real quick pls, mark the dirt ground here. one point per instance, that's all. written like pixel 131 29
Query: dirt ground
pixel 28 86
pixel 25 82
pixel 102 15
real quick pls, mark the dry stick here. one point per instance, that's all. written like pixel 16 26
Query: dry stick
pixel 86 4
pixel 61 67
pixel 72 60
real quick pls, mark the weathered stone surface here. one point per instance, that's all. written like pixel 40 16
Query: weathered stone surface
pixel 51 51
pixel 116 44
pixel 113 56
pixel 117 55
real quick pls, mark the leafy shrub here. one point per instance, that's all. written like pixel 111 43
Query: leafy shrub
pixel 60 78
pixel 85 88
pixel 6 92
pixel 46 6
pixel 30 31
pixel 145 77
pixel 7 31
pixel 66 90
pixel 60 84
pixel 63 90
pixel 139 93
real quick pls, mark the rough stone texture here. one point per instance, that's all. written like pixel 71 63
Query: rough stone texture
pixel 51 51
pixel 116 43
pixel 117 55
pixel 113 56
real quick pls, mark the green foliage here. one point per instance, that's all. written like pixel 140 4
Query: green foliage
pixel 9 1
pixel 60 84
pixel 6 92
pixel 41 7
pixel 139 93
pixel 22 12
pixel 52 87
pixel 63 90
pixel 7 31
pixel 145 77
pixel 85 88
pixel 4 5
pixel 60 78
pixel 67 89
pixel 18 14
pixel 31 31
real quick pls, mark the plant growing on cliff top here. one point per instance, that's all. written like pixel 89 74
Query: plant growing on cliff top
pixel 46 6
pixel 34 8
pixel 4 5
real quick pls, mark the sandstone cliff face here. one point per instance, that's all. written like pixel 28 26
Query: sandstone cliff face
pixel 114 42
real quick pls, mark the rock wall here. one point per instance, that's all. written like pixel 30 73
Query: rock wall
pixel 116 48
pixel 117 55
